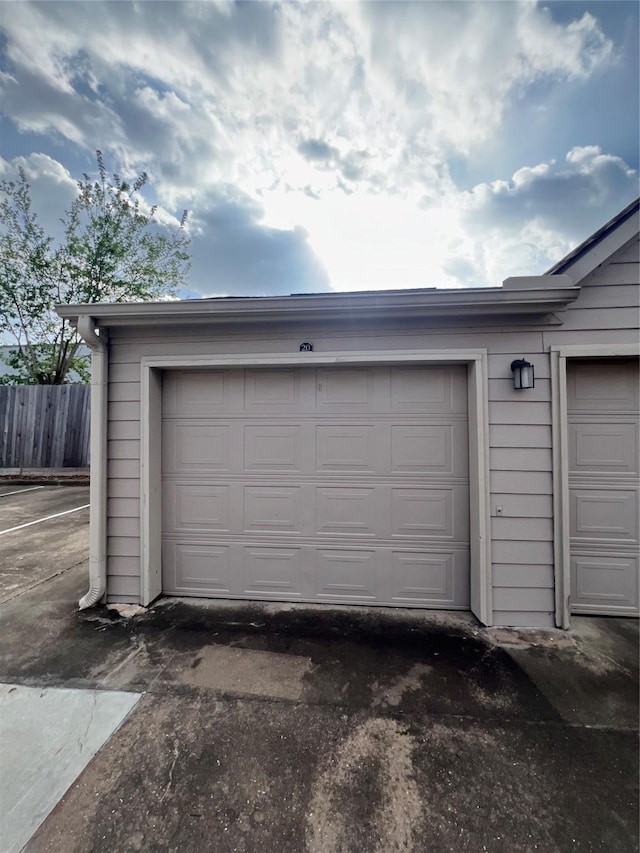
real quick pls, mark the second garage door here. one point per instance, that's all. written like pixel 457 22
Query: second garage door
pixel 604 482
pixel 341 485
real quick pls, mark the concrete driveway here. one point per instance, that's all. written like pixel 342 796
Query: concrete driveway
pixel 43 531
pixel 280 728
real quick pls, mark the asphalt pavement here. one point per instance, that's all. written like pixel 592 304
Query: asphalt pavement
pixel 43 532
pixel 330 730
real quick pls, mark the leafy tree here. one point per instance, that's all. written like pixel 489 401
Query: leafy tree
pixel 110 251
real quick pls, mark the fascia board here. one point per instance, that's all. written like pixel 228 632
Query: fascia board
pixel 494 301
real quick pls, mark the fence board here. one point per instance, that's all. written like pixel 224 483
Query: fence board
pixel 44 426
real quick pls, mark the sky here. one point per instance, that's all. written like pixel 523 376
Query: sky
pixel 335 146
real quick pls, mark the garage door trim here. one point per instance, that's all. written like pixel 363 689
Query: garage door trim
pixel 150 458
pixel 560 439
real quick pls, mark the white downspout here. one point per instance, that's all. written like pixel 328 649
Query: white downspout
pixel 98 463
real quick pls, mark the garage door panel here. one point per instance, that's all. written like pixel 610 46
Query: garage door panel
pixel 604 514
pixel 195 393
pixel 346 391
pixel 345 510
pixel 347 574
pixel 273 571
pixel 349 447
pixel 602 387
pixel 190 568
pixel 424 578
pixel 430 513
pixel 272 448
pixel 603 582
pixel 429 449
pixel 603 447
pixel 273 509
pixel 342 574
pixel 197 446
pixel 272 391
pixel 441 390
pixel 196 507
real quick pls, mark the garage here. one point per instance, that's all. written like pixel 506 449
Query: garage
pixel 317 484
pixel 376 447
pixel 602 407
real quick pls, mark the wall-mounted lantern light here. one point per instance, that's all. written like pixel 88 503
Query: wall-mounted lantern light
pixel 522 374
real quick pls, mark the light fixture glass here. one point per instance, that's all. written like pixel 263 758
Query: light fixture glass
pixel 523 376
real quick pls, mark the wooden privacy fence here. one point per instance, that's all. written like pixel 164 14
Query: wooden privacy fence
pixel 44 426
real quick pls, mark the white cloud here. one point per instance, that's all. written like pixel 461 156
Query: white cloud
pixel 315 138
pixel 545 210
pixel 455 66
pixel 240 87
pixel 574 50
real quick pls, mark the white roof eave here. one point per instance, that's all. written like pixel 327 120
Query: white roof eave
pixel 499 302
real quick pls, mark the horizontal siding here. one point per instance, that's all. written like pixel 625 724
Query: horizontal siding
pixel 519 413
pixel 121 488
pixel 126 372
pixel 523 552
pixel 125 566
pixel 123 546
pixel 615 273
pixel 522 459
pixel 124 391
pixel 128 410
pixel 124 449
pixel 529 577
pixel 521 529
pixel 528 435
pixel 121 430
pixel 124 526
pixel 130 347
pixel 623 296
pixel 519 482
pixel 123 507
pixel 123 469
pixel 629 253
pixel 126 589
pixel 498 363
pixel 524 599
pixel 569 337
pixel 524 619
pixel 523 506
pixel 606 310
pixel 122 599
pixel 591 319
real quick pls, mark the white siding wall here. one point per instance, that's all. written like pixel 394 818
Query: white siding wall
pixel 520 424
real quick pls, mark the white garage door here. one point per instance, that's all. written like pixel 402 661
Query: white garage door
pixel 345 485
pixel 602 398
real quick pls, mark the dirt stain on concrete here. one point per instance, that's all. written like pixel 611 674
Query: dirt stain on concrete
pixel 377 755
pixel 247 671
pixel 393 693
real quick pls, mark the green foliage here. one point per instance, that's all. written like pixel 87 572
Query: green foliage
pixel 111 251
